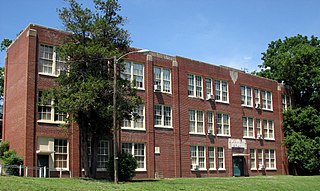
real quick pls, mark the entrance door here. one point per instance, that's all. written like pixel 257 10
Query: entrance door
pixel 237 163
pixel 43 161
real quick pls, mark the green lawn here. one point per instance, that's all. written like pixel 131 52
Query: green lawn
pixel 227 183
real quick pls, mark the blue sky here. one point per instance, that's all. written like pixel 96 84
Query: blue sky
pixel 233 33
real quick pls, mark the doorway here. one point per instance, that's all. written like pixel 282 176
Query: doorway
pixel 43 161
pixel 238 167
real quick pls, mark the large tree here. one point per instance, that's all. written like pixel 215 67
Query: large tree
pixel 85 88
pixel 295 61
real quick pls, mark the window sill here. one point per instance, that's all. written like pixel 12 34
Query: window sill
pixel 200 169
pixel 212 169
pixel 102 169
pixel 191 133
pixel 46 74
pixel 271 168
pixel 133 129
pixel 248 106
pixel 169 93
pixel 269 139
pixel 141 170
pixel 253 169
pixel 52 122
pixel 245 137
pixel 163 127
pixel 224 102
pixel 264 109
pixel 196 97
pixel 60 169
pixel 222 135
pixel 142 89
pixel 221 169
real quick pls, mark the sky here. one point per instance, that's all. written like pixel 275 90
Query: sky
pixel 232 33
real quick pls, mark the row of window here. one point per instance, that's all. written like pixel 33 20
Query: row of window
pixel 261 158
pixel 50 63
pixel 264 158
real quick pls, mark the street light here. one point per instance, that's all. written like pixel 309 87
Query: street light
pixel 115 144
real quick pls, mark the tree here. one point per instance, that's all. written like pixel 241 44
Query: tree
pixel 5 43
pixel 295 61
pixel 85 88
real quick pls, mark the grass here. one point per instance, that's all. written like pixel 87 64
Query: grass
pixel 226 183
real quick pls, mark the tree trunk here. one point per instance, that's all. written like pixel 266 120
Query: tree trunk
pixel 84 147
pixel 94 155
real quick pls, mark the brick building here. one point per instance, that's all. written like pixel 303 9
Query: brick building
pixel 197 119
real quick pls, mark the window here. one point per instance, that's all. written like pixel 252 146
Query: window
pixel 221 165
pixel 258 128
pixel 221 88
pixel 162 116
pixel 210 122
pixel 266 100
pixel 134 73
pixel 47 112
pixel 253 159
pixel 162 78
pixel 286 102
pixel 197 156
pixel 61 153
pixel 103 154
pixel 138 119
pixel 248 128
pixel 260 159
pixel 208 88
pixel 246 96
pixel 257 98
pixel 196 122
pixel 195 86
pixel 50 62
pixel 223 124
pixel 138 151
pixel 268 126
pixel 212 161
pixel 270 159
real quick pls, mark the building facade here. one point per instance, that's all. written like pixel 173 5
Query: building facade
pixel 197 120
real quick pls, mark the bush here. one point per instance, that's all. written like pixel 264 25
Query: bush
pixel 12 160
pixel 127 165
pixel 4 146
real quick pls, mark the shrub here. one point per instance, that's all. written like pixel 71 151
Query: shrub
pixel 4 146
pixel 127 165
pixel 12 160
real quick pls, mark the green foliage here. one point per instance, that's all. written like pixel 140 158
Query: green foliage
pixel 127 165
pixel 4 146
pixel 12 160
pixel 85 89
pixel 296 62
pixel 5 43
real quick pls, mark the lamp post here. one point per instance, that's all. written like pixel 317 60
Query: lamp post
pixel 115 144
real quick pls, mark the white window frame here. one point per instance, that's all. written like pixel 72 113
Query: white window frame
pixel 132 152
pixel 267 103
pixel 195 119
pixel 247 127
pixel 162 115
pixel 260 157
pixel 197 157
pixel 209 91
pixel 211 158
pixel 221 158
pixel 257 98
pixel 269 159
pixel 253 159
pixel 286 102
pixel 259 127
pixel 161 81
pixel 219 92
pixel 130 75
pixel 223 124
pixel 194 87
pixel 50 105
pixel 246 96
pixel 133 121
pixel 61 153
pixel 268 130
pixel 54 62
pixel 210 121
pixel 106 152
